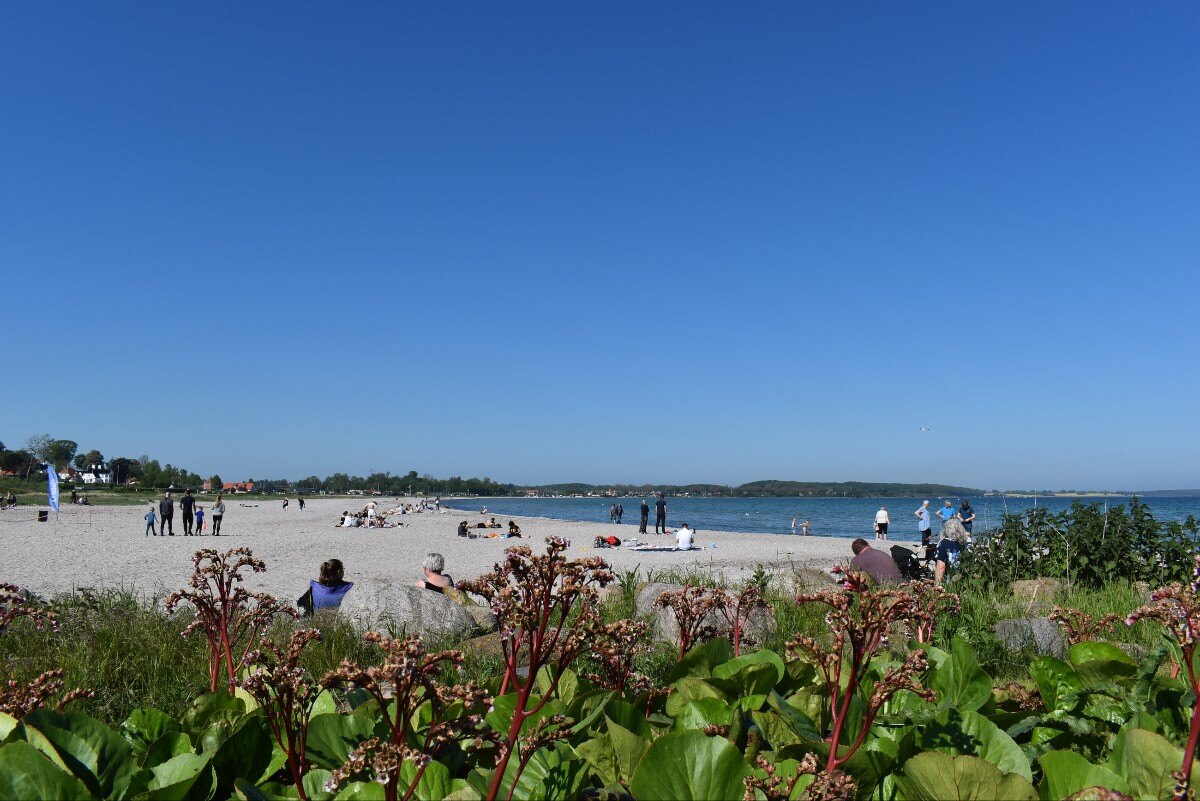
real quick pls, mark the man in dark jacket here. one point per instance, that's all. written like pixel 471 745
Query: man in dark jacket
pixel 660 518
pixel 645 517
pixel 166 513
pixel 187 506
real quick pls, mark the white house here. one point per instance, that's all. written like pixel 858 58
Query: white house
pixel 97 474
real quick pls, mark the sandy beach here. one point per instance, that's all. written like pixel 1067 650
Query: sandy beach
pixel 105 546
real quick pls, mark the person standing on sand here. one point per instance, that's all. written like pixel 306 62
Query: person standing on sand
pixel 947 513
pixel 967 515
pixel 187 506
pixel 645 517
pixel 300 499
pixel 150 522
pixel 166 511
pixel 612 513
pixel 882 521
pixel 922 516
pixel 285 503
pixel 660 515
pixel 805 528
pixel 218 512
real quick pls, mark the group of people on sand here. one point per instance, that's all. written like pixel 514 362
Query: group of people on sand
pixel 192 514
pixel 369 517
pixel 465 529
pixel 957 530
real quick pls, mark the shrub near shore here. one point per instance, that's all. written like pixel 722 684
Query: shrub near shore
pixel 909 720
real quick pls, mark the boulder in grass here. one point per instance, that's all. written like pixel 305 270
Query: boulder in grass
pixel 403 609
pixel 665 628
pixel 1040 635
pixel 1043 589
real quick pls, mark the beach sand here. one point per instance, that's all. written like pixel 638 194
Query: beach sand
pixel 105 546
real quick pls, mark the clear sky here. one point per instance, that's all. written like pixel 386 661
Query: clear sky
pixel 607 241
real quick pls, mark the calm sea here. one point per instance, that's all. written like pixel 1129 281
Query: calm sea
pixel 830 517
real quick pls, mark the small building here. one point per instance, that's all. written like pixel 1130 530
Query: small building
pixel 69 474
pixel 97 474
pixel 206 485
pixel 238 487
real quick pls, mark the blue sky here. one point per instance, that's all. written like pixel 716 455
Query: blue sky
pixel 607 241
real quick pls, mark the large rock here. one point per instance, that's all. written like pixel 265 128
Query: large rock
pixel 399 609
pixel 1038 634
pixel 665 627
pixel 1043 589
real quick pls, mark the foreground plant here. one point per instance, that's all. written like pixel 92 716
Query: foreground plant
pixel 615 650
pixel 859 619
pixel 19 700
pixel 1177 608
pixel 406 680
pixel 231 617
pixel 286 693
pixel 547 610
pixel 930 603
pixel 693 608
pixel 1078 626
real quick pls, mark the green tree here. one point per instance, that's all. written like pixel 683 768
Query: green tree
pixel 61 452
pixel 216 483
pixel 85 460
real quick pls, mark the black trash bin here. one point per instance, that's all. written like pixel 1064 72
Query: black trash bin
pixel 43 515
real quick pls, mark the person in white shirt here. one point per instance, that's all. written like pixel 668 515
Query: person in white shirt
pixel 683 538
pixel 881 523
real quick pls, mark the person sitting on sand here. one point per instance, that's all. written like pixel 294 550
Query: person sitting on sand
pixel 328 590
pixel 10 500
pixel 462 529
pixel 513 529
pixel 683 538
pixel 432 576
pixel 877 564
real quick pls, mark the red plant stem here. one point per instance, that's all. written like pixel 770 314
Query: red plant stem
pixel 1189 752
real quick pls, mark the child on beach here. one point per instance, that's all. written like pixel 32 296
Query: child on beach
pixel 199 519
pixel 150 522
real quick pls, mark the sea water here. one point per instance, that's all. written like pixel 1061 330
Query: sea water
pixel 828 517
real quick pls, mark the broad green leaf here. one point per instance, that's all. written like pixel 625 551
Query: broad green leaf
pixel 690 689
pixel 959 681
pixel 797 720
pixel 7 724
pixel 748 679
pixel 1057 682
pixel 971 734
pixel 271 791
pixel 170 745
pixel 688 766
pixel 733 667
pixel 628 749
pixel 331 738
pixel 211 708
pixel 434 784
pixel 1084 652
pixel 778 733
pixel 314 784
pixel 628 716
pixel 145 726
pixel 362 791
pixel 246 698
pixel 246 753
pixel 325 704
pixel 25 773
pixel 936 776
pixel 1146 760
pixel 601 758
pixel 703 713
pixel 1065 772
pixel 702 660
pixel 553 774
pixel 183 777
pixel 97 755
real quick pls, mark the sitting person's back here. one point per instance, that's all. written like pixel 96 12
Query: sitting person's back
pixel 513 529
pixel 683 538
pixel 878 565
pixel 327 591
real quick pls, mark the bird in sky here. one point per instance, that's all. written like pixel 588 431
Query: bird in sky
pixel 922 428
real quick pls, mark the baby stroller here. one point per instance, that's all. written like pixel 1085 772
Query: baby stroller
pixel 908 564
